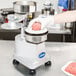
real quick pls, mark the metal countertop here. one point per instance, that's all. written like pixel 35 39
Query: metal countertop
pixel 51 31
pixel 60 54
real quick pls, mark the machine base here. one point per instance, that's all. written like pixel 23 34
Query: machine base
pixel 31 71
pixel 31 64
pixel 30 55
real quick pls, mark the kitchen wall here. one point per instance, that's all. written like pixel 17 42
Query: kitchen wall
pixel 9 3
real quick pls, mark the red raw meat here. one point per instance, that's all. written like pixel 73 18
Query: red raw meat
pixel 36 26
pixel 71 68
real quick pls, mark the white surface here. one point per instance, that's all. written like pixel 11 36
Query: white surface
pixel 60 53
pixel 30 31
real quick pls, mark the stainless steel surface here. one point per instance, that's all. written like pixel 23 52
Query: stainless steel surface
pixel 24 6
pixel 36 36
pixel 59 31
pixel 36 39
pixel 60 54
pixel 50 31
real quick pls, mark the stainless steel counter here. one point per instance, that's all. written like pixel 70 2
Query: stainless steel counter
pixel 57 34
pixel 60 54
pixel 59 31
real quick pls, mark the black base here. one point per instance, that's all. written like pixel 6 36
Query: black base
pixel 15 62
pixel 32 71
pixel 48 63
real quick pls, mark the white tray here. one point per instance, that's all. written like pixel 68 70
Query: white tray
pixel 63 69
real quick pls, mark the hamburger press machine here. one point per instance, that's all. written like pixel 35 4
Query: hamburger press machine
pixel 30 48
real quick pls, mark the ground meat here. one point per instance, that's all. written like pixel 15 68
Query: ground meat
pixel 36 26
pixel 71 68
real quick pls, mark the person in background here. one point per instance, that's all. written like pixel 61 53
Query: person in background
pixel 68 16
pixel 46 21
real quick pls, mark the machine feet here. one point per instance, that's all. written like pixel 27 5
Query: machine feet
pixel 48 63
pixel 15 62
pixel 32 71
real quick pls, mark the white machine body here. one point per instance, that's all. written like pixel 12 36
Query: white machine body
pixel 28 54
